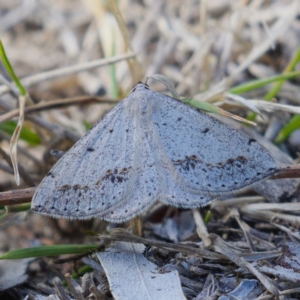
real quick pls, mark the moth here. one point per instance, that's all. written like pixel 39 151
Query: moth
pixel 150 147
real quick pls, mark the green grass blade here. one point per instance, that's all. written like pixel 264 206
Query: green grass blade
pixel 255 84
pixel 82 271
pixel 214 109
pixel 49 251
pixel 3 213
pixel 112 68
pixel 10 70
pixel 285 132
pixel 207 217
pixel 274 91
pixel 202 105
pixel 18 208
pixel 294 122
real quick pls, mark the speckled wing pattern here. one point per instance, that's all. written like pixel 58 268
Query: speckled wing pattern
pixel 150 147
pixel 200 157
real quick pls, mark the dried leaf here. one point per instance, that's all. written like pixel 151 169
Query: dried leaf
pixel 12 273
pixel 132 276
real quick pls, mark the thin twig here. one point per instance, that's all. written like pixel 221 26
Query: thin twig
pixel 16 196
pixel 66 71
pixel 53 104
pixel 221 247
pixel 119 234
pixel 287 171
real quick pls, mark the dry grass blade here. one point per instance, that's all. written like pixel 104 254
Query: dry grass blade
pixel 14 139
pixel 136 225
pixel 270 107
pixel 216 110
pixel 25 176
pixel 257 256
pixel 59 289
pixel 201 228
pixel 267 216
pixel 74 287
pixel 243 101
pixel 125 236
pixel 219 204
pixel 291 207
pixel 28 81
pixel 266 106
pixel 214 93
pixel 246 229
pixel 235 117
pixel 134 66
pixel 52 104
pixel 221 247
pixel 285 229
pixel 274 33
pixel 166 81
pixel 281 293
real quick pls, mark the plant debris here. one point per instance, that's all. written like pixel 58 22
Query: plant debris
pixel 78 58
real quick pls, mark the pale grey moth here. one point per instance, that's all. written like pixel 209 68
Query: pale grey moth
pixel 147 148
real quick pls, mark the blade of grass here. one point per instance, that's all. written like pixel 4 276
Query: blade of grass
pixel 53 250
pixel 294 123
pixel 255 84
pixel 23 98
pixel 167 82
pixel 3 213
pixel 291 66
pixel 214 109
pixel 112 68
pixel 133 64
pixel 18 208
pixel 79 273
pixel 286 131
pixel 274 91
pixel 196 103
pixel 207 217
pixel 13 146
pixel 10 70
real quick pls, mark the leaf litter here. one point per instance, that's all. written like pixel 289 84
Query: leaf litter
pixel 252 251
